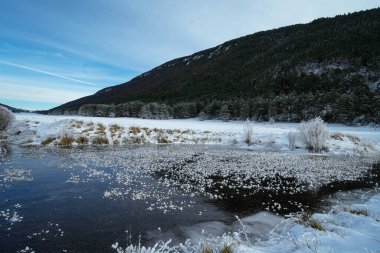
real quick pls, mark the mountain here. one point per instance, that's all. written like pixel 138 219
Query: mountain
pixel 12 108
pixel 329 67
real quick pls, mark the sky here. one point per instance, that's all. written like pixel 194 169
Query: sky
pixel 52 51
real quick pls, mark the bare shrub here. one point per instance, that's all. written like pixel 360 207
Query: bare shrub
pixel 66 140
pixel 6 118
pixel 82 140
pixel 314 134
pixel 292 137
pixel 48 140
pixel 202 116
pixel 248 132
pixel 226 249
pixel 100 140
pixel 134 130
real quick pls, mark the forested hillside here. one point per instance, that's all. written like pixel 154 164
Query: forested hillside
pixel 329 68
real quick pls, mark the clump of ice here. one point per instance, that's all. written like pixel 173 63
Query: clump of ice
pixel 52 230
pixel 16 174
pixel 156 175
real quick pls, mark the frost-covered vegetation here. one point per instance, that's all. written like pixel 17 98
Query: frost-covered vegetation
pixel 65 131
pixel 314 134
pixel 6 118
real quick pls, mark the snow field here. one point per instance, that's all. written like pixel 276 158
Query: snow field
pixel 33 129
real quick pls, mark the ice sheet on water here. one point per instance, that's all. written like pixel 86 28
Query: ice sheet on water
pixel 254 226
pixel 344 231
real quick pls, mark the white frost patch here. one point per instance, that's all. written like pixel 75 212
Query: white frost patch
pixel 158 175
pixel 16 174
pixel 51 231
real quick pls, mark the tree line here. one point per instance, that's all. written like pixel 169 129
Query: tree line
pixel 344 108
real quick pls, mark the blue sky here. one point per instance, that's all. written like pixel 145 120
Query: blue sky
pixel 53 51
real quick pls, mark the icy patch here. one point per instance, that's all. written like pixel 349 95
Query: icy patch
pixel 27 249
pixel 16 174
pixel 343 231
pixel 255 226
pixel 167 178
pixel 51 231
pixel 10 217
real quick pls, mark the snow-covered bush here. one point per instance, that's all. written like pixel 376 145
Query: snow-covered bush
pixel 202 116
pixel 248 132
pixel 155 111
pixel 292 136
pixel 6 117
pixel 87 110
pixel 314 134
pixel 224 113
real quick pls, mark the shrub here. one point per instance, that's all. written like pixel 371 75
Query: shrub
pixel 66 140
pixel 101 129
pixel 48 140
pixel 292 136
pixel 100 140
pixel 226 249
pixel 82 140
pixel 206 249
pixel 202 116
pixel 314 134
pixel 134 130
pixel 6 117
pixel 247 132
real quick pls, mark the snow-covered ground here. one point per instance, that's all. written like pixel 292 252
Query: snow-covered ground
pixel 352 224
pixel 34 129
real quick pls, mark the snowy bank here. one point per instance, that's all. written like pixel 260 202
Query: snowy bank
pixel 33 129
pixel 345 227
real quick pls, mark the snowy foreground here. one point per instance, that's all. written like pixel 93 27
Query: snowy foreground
pixel 33 129
pixel 350 222
pixel 345 227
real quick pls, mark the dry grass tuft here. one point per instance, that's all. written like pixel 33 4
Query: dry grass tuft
pixel 134 130
pixel 82 140
pixel 101 129
pixel 315 224
pixel 206 249
pixel 48 141
pixel 226 249
pixel 100 140
pixel 66 140
pixel 77 123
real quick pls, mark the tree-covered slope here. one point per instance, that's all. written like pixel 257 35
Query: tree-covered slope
pixel 331 65
pixel 12 108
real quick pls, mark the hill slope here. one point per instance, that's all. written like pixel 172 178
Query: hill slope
pixel 13 109
pixel 329 66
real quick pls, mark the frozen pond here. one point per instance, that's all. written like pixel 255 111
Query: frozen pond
pixel 84 200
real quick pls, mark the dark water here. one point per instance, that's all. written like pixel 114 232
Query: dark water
pixel 90 222
pixel 59 216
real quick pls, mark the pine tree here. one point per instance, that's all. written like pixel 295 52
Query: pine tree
pixel 225 114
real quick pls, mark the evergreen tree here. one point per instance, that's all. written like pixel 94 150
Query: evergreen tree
pixel 225 114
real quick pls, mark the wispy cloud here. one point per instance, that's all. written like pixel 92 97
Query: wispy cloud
pixel 46 73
